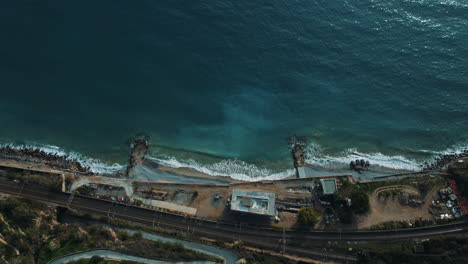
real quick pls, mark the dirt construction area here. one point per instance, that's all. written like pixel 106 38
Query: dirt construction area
pixel 397 203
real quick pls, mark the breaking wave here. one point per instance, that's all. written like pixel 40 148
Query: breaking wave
pixel 241 170
pixel 95 165
pixel 235 169
pixel 378 161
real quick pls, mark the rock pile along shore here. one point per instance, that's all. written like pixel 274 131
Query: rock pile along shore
pixel 443 160
pixel 38 156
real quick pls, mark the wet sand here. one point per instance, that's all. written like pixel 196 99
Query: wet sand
pixel 188 172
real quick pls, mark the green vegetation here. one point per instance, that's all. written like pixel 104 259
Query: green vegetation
pixel 52 181
pixel 405 247
pixel 308 216
pixel 132 225
pixel 135 185
pixel 392 225
pixel 256 258
pixel 436 250
pixel 345 214
pixel 83 190
pixel 389 193
pixel 459 171
pixel 137 202
pixel 251 257
pixel 359 201
pixel 32 234
pixel 423 183
pixel 100 260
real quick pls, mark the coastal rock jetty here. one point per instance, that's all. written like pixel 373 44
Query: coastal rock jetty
pixel 40 158
pixel 298 155
pixel 137 156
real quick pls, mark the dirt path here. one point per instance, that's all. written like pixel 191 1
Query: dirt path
pixel 390 209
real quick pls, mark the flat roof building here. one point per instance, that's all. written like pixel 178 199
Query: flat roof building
pixel 328 186
pixel 253 202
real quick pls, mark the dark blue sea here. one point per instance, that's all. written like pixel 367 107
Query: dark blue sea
pixel 221 86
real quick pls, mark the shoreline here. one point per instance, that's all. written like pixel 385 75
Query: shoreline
pixel 40 160
pixel 189 172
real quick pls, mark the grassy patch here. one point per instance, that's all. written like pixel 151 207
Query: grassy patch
pixel 404 247
pixel 46 253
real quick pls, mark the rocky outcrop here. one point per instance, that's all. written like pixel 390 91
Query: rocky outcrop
pixel 298 155
pixel 37 156
pixel 443 161
pixel 359 165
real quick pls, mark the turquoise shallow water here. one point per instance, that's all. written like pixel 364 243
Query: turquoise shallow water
pixel 385 80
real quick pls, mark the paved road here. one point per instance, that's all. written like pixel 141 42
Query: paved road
pixel 252 236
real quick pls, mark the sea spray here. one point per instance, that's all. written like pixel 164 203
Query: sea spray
pixel 241 170
pixel 380 162
pixel 95 165
pixel 233 168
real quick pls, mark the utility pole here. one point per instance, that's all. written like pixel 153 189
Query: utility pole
pixel 284 241
pixel 116 204
pixel 22 187
pixel 70 199
pixel 240 230
pixel 194 225
pixel 159 219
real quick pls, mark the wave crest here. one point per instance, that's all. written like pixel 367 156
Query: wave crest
pixel 316 157
pixel 95 165
pixel 236 169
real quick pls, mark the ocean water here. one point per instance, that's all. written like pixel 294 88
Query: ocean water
pixel 221 86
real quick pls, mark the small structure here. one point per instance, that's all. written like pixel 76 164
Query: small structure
pixel 328 186
pixel 253 202
pixel 302 172
pixel 452 197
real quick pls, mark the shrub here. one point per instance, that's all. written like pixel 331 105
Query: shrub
pixel 308 216
pixel 360 201
pixel 123 235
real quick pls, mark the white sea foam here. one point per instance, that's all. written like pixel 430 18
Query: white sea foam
pixel 378 161
pixel 241 170
pixel 235 169
pixel 455 149
pixel 244 171
pixel 95 165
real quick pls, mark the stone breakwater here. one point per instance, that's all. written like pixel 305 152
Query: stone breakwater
pixel 42 158
pixel 442 161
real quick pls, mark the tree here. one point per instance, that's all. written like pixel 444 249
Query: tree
pixel 308 216
pixel 123 235
pixel 360 201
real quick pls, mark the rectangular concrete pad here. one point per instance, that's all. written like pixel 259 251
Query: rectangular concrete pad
pixel 328 186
